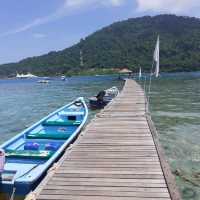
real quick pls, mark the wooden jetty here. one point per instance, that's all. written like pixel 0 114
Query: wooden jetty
pixel 117 157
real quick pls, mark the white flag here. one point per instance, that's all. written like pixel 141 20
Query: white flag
pixel 157 57
pixel 140 73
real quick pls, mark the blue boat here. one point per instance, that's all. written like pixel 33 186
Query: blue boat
pixel 31 153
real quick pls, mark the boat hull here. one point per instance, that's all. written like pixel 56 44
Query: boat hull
pixel 106 97
pixel 20 188
pixel 95 104
pixel 31 153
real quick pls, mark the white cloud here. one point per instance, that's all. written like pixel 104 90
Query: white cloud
pixel 26 27
pixel 39 35
pixel 83 3
pixel 68 7
pixel 117 2
pixel 170 6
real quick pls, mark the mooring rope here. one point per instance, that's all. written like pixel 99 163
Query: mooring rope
pixel 13 193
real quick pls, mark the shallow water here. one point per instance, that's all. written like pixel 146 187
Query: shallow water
pixel 23 102
pixel 175 107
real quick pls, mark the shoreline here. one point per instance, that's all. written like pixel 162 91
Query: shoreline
pixel 101 73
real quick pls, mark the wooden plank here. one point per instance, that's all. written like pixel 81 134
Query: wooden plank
pixel 97 150
pixel 55 181
pixel 116 147
pixel 115 169
pixel 117 130
pixel 137 160
pixel 113 155
pixel 102 175
pixel 81 197
pixel 86 171
pixel 118 142
pixel 112 188
pixel 108 180
pixel 105 193
pixel 110 163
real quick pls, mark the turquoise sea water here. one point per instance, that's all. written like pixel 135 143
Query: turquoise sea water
pixel 175 107
pixel 23 102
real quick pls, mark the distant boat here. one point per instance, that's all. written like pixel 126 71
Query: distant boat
pixel 46 78
pixel 63 78
pixel 28 75
pixel 43 81
pixel 99 75
pixel 103 98
pixel 26 157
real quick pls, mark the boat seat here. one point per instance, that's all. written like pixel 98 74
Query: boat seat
pixel 61 123
pixel 29 154
pixel 46 135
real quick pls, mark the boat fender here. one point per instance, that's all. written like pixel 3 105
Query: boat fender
pixel 2 160
pixel 78 103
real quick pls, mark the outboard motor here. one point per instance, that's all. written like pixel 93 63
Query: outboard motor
pixel 100 96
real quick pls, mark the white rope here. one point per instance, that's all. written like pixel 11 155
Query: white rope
pixel 145 81
pixel 13 194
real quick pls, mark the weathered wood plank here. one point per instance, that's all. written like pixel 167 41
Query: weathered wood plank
pixel 55 181
pixel 102 175
pixel 63 171
pixel 114 180
pixel 122 189
pixel 81 197
pixel 105 193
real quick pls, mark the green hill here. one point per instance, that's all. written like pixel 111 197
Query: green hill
pixel 127 43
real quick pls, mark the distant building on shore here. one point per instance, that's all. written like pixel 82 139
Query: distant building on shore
pixel 125 71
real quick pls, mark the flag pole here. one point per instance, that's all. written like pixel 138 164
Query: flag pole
pixel 140 73
pixel 150 81
pixel 145 80
pixel 145 92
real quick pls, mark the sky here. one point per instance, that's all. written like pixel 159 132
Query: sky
pixel 35 27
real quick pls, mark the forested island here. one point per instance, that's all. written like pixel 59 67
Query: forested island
pixel 128 43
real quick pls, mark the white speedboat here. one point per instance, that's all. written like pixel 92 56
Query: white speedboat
pixel 28 75
pixel 63 78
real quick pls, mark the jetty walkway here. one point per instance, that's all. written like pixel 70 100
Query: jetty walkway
pixel 117 157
